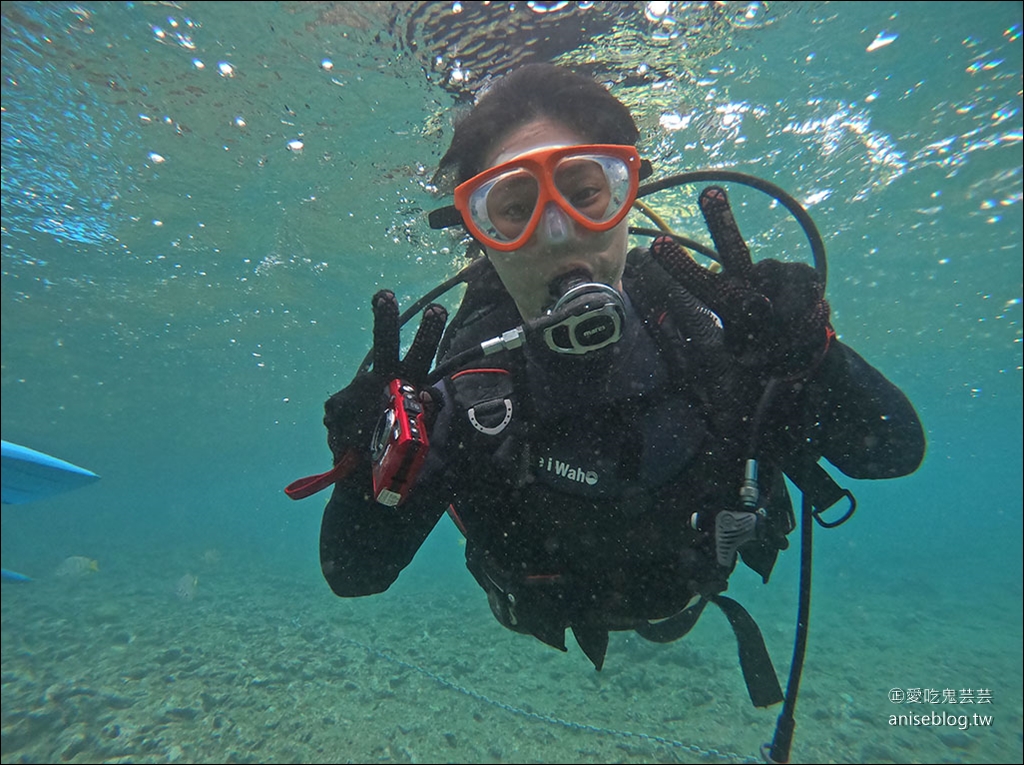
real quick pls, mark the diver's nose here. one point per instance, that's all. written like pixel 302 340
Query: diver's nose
pixel 556 226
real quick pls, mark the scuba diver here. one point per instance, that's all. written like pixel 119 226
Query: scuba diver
pixel 609 428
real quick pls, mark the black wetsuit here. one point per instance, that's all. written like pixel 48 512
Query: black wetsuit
pixel 577 481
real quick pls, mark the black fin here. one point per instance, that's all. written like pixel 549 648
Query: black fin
pixel 674 627
pixel 593 641
pixel 758 672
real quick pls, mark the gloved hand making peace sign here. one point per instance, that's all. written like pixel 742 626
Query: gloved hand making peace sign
pixel 351 414
pixel 774 314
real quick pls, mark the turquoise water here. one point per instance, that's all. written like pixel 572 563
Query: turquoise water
pixel 183 287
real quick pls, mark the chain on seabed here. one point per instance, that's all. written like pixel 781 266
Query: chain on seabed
pixel 549 719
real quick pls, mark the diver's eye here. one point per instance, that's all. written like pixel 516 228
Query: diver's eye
pixel 512 197
pixel 515 211
pixel 582 198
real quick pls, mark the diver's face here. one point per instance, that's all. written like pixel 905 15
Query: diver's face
pixel 559 245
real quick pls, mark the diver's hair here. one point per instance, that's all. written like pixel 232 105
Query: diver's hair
pixel 529 93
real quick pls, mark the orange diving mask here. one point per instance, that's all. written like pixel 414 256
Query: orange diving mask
pixel 594 185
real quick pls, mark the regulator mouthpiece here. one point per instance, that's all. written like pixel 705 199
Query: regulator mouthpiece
pixel 586 315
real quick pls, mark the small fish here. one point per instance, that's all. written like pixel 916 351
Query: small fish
pixel 77 566
pixel 186 587
pixel 211 557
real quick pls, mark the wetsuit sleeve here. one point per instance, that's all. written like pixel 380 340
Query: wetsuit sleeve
pixel 364 545
pixel 858 420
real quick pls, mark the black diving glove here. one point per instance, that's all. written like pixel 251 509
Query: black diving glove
pixel 774 314
pixel 351 414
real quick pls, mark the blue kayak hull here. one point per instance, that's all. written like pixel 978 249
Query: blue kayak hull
pixel 29 475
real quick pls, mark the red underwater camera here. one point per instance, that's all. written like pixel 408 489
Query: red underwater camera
pixel 399 444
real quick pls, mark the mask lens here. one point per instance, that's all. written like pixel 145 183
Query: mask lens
pixel 503 206
pixel 596 186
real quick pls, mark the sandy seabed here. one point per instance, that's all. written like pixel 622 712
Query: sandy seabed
pixel 262 667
